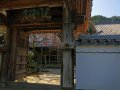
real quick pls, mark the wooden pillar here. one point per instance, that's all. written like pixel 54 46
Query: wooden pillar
pixel 13 54
pixel 5 59
pixel 67 72
pixel 4 67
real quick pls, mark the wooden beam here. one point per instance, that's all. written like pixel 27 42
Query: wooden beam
pixel 67 72
pixel 38 25
pixel 19 4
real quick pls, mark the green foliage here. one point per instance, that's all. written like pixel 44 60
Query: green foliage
pixel 91 28
pixel 31 63
pixel 100 18
pixel 115 18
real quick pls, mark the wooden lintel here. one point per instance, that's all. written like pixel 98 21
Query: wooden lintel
pixel 27 29
pixel 38 24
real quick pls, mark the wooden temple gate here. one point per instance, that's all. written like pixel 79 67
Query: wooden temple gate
pixel 69 17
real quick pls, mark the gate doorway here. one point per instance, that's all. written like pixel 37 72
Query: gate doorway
pixel 43 65
pixel 36 46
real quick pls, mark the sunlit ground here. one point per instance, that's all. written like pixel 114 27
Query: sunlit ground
pixel 51 77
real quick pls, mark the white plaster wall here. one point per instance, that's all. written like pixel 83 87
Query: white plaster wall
pixel 99 71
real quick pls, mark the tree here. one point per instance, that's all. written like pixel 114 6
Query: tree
pixel 99 18
pixel 115 18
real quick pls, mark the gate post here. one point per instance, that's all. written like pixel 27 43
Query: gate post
pixel 67 63
pixel 13 53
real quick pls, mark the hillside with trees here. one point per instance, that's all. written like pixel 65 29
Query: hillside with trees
pixel 100 19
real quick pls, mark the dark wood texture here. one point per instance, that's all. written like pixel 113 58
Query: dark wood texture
pixel 21 55
pixel 17 4
pixel 13 53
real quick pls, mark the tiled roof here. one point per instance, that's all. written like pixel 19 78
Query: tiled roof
pixel 112 28
pixel 99 40
pixel 106 34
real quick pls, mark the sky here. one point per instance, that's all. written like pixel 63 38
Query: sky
pixel 106 8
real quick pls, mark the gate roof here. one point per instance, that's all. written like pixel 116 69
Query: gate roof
pixel 80 8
